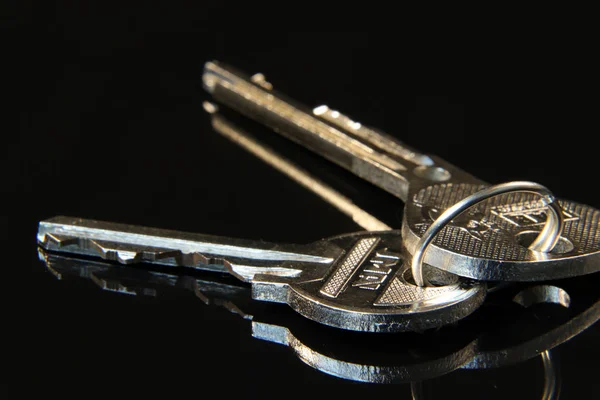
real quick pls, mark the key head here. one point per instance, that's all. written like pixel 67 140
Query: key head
pixel 369 288
pixel 490 240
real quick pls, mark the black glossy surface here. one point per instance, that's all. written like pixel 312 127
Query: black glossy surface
pixel 110 126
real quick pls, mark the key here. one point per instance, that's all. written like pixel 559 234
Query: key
pixel 355 282
pixel 491 241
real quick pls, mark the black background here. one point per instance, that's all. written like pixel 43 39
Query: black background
pixel 107 103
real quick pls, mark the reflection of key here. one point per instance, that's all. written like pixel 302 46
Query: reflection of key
pixel 340 353
pixel 484 342
pixel 489 241
pixel 356 281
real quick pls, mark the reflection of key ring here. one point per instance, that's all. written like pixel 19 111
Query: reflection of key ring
pixel 545 241
pixel 551 381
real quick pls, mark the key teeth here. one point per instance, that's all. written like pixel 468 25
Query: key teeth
pixel 199 258
pixel 58 240
pixel 103 250
pixel 110 251
pixel 126 257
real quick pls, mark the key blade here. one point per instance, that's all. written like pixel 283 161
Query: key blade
pixel 128 244
pixel 378 158
pixel 378 139
pixel 298 124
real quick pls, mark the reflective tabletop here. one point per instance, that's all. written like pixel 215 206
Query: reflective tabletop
pixel 112 128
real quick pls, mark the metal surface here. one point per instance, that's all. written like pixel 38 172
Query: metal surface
pixel 357 281
pixel 492 238
pixel 544 243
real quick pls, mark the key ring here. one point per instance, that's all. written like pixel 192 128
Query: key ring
pixel 544 243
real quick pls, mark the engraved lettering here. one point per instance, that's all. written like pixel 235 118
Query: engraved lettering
pixel 521 215
pixel 528 217
pixel 377 270
pixel 338 280
pixel 369 282
pixel 385 253
pixel 473 222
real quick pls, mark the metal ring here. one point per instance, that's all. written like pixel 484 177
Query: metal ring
pixel 545 241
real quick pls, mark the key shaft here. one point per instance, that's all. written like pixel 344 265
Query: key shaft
pixel 129 244
pixel 371 155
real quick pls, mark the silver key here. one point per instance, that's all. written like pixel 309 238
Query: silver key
pixel 488 242
pixel 356 281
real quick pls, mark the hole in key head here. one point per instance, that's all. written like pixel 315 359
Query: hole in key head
pixel 543 294
pixel 563 245
pixel 435 174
